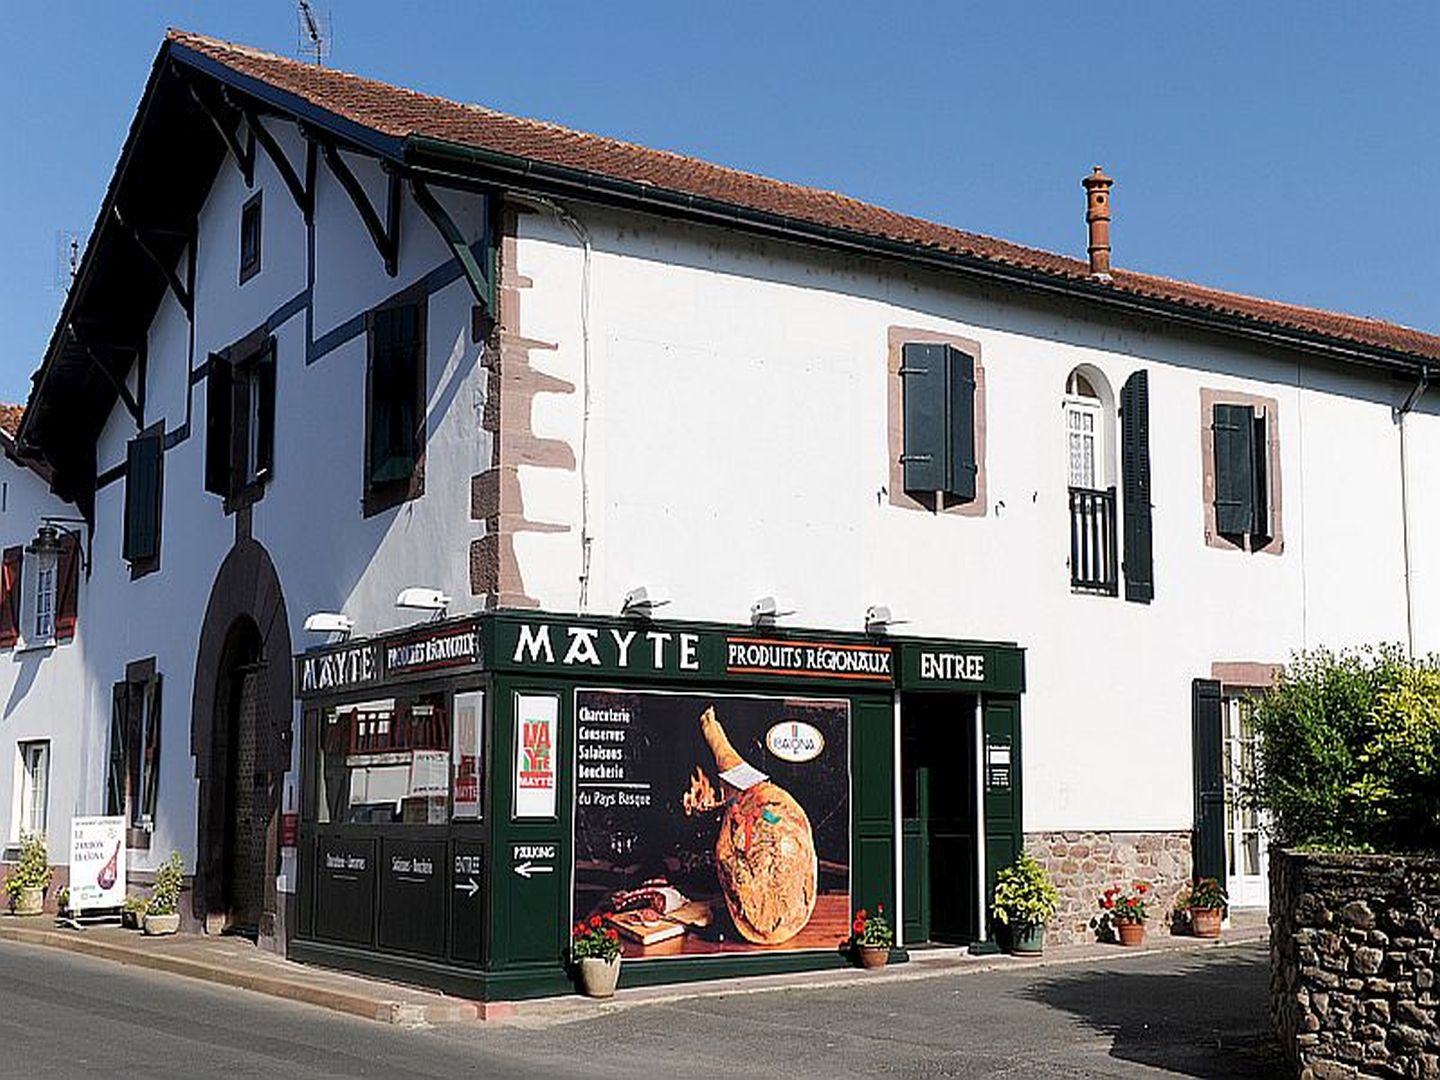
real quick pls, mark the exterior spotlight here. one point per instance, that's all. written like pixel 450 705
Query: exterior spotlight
pixel 422 599
pixel 329 622
pixel 639 604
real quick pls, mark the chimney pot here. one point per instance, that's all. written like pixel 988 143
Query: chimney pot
pixel 1097 216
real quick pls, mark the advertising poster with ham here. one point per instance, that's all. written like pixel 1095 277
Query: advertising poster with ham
pixel 708 824
pixel 97 863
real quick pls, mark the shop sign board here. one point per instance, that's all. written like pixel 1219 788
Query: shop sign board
pixel 961 667
pixel 351 665
pixel 334 670
pixel 97 863
pixel 711 824
pixel 536 723
pixel 436 649
pixel 649 649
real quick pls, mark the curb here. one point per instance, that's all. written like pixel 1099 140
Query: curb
pixel 572 1008
pixel 366 1006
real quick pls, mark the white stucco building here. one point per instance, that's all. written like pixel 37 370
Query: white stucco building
pixel 332 340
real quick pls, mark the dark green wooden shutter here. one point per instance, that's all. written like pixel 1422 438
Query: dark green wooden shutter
pixel 1208 739
pixel 394 406
pixel 144 457
pixel 265 411
pixel 1234 428
pixel 219 418
pixel 1259 478
pixel 115 782
pixel 1139 562
pixel 923 374
pixel 960 479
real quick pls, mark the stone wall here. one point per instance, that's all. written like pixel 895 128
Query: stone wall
pixel 1083 864
pixel 1353 940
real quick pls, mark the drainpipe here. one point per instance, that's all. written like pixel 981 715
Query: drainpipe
pixel 1399 415
pixel 571 222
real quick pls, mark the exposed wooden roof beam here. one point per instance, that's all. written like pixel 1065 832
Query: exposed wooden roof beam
pixel 386 239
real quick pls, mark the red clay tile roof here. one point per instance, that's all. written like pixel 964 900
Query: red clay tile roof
pixel 399 113
pixel 10 416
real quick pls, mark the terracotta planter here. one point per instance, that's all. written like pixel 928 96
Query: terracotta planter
pixel 1027 940
pixel 598 977
pixel 873 956
pixel 1205 922
pixel 159 925
pixel 30 901
pixel 1131 931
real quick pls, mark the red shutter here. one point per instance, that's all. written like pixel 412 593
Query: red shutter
pixel 10 565
pixel 67 587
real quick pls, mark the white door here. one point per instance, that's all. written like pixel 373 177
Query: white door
pixel 1247 861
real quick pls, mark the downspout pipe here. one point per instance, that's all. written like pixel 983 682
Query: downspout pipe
pixel 1401 412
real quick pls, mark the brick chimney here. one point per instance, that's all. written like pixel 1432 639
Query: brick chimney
pixel 1097 216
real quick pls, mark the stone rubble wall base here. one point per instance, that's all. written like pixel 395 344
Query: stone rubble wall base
pixel 1353 942
pixel 1082 865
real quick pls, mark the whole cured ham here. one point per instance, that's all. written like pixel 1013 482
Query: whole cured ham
pixel 765 853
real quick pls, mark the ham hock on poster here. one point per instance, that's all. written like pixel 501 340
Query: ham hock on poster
pixel 708 824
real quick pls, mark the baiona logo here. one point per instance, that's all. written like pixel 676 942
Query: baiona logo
pixel 795 740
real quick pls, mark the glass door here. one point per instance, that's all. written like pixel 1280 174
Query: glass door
pixel 1247 862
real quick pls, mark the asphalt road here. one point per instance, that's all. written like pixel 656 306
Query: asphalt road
pixel 1187 1014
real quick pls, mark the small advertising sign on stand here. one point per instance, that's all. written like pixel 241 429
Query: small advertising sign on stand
pixel 97 866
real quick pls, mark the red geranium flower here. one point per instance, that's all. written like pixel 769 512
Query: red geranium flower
pixel 595 921
pixel 612 935
pixel 1142 887
pixel 858 926
pixel 880 908
pixel 1109 903
pixel 860 914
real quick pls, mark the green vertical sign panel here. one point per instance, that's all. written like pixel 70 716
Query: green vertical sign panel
pixel 872 769
pixel 1001 775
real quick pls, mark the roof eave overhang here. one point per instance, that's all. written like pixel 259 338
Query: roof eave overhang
pixel 444 159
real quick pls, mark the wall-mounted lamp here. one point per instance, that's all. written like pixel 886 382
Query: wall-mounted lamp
pixel 878 619
pixel 639 604
pixel 423 599
pixel 48 544
pixel 329 622
pixel 765 611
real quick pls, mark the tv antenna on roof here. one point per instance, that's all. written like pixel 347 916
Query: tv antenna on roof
pixel 69 243
pixel 315 31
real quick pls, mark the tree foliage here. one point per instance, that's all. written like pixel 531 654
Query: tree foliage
pixel 1349 751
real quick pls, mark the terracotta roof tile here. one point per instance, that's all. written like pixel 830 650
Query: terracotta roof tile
pixel 398 113
pixel 10 417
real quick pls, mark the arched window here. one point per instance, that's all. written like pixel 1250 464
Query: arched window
pixel 1089 429
pixel 1089 410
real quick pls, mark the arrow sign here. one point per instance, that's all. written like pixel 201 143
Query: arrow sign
pixel 526 868
pixel 469 888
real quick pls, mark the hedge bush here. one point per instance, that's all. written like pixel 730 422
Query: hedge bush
pixel 1349 752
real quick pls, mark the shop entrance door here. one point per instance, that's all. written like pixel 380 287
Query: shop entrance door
pixel 938 833
pixel 247 826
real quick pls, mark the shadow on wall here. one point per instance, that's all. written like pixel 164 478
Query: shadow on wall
pixel 29 668
pixel 1207 1018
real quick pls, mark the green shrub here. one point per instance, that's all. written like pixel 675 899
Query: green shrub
pixel 32 869
pixel 169 878
pixel 1349 752
pixel 1024 896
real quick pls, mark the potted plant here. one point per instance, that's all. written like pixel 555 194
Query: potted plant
pixel 132 911
pixel 30 876
pixel 871 937
pixel 1025 901
pixel 62 902
pixel 162 916
pixel 1125 909
pixel 1205 904
pixel 595 948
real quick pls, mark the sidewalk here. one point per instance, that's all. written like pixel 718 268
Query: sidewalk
pixel 236 962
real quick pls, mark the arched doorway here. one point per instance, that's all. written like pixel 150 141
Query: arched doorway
pixel 241 735
pixel 251 792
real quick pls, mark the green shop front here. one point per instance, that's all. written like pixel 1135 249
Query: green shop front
pixel 723 797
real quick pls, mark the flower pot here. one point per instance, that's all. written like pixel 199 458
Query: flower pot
pixel 1205 922
pixel 30 901
pixel 872 956
pixel 1131 931
pixel 158 925
pixel 598 977
pixel 1027 940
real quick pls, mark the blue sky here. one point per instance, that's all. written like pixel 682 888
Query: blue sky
pixel 1289 150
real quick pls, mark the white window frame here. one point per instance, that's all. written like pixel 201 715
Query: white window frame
pixel 40 581
pixel 34 798
pixel 1094 408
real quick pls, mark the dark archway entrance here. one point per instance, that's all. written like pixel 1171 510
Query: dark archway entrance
pixel 241 735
